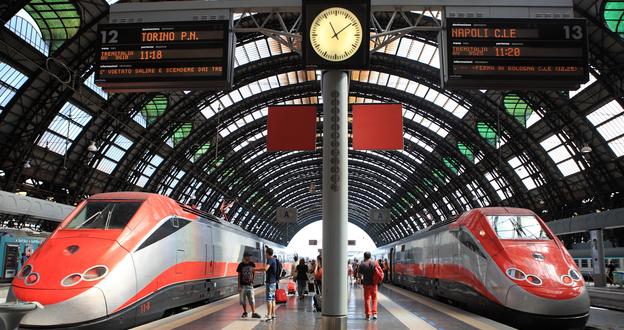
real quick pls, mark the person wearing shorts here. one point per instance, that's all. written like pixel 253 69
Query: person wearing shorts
pixel 271 284
pixel 246 275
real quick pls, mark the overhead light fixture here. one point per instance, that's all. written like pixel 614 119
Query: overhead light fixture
pixel 541 201
pixel 92 147
pixel 27 164
pixel 312 188
pixel 585 149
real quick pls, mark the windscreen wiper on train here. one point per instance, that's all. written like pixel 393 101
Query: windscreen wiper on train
pixel 94 216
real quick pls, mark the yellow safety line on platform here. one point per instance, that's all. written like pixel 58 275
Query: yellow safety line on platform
pixel 194 314
pixel 409 319
pixel 474 320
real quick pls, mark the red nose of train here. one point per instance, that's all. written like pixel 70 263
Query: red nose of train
pixel 69 264
pixel 542 268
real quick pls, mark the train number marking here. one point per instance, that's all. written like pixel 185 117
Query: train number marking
pixel 144 308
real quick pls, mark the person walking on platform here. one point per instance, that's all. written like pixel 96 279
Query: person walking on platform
pixel 386 270
pixel 246 276
pixel 293 267
pixel 611 267
pixel 302 278
pixel 271 283
pixel 367 271
pixel 318 276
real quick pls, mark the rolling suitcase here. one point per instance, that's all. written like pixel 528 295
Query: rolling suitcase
pixel 317 301
pixel 291 288
pixel 280 296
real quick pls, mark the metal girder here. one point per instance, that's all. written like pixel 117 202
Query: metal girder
pixel 261 6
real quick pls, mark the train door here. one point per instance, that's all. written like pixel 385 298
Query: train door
pixel 11 261
pixel 208 252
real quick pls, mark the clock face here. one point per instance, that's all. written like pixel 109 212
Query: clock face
pixel 336 34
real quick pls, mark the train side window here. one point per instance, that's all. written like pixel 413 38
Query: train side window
pixel 166 228
pixel 466 240
pixel 583 263
pixel 576 261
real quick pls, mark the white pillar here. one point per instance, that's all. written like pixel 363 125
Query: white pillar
pixel 598 257
pixel 335 91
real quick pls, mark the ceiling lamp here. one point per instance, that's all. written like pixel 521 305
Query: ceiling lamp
pixel 27 164
pixel 92 147
pixel 585 149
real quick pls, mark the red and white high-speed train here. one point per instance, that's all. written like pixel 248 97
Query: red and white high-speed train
pixel 501 262
pixel 126 258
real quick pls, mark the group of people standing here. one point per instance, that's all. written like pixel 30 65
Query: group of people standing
pixel 308 276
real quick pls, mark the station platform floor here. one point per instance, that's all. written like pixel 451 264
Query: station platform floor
pixel 398 309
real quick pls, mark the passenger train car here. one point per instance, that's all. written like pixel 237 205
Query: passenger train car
pixel 583 259
pixel 501 262
pixel 123 259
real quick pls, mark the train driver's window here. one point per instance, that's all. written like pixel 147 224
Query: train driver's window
pixel 517 227
pixel 104 215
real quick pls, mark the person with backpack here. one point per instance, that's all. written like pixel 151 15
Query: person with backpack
pixel 246 276
pixel 301 278
pixel 372 276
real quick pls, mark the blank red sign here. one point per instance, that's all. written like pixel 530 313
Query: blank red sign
pixel 377 127
pixel 291 128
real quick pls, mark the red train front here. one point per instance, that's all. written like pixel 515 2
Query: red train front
pixel 503 262
pixel 122 259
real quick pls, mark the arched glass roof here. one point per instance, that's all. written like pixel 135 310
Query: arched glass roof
pixel 463 149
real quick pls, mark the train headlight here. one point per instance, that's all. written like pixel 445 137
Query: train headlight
pixel 566 280
pixel 534 280
pixel 95 273
pixel 575 274
pixel 516 274
pixel 71 279
pixel 32 279
pixel 25 271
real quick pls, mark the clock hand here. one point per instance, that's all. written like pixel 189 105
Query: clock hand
pixel 337 33
pixel 332 27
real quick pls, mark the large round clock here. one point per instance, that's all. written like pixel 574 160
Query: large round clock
pixel 336 34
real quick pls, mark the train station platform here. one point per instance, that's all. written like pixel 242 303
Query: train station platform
pixel 398 309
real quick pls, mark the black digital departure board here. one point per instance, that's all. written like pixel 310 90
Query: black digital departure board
pixel 494 53
pixel 165 56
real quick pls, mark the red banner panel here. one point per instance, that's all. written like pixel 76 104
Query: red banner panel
pixel 377 127
pixel 291 128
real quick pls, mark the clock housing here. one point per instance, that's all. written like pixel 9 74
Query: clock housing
pixel 336 46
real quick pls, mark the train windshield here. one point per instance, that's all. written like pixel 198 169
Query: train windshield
pixel 517 227
pixel 104 215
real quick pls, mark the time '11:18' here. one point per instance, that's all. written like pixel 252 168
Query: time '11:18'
pixel 151 55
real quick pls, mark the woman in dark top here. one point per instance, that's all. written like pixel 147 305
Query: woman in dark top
pixel 302 278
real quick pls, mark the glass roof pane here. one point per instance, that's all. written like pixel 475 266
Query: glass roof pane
pixel 58 20
pixel 517 108
pixel 609 121
pixel 614 16
pixel 181 133
pixel 487 132
pixel 154 108
pixel 11 81
pixel 466 150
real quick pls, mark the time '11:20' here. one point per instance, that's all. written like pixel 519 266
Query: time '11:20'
pixel 507 51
